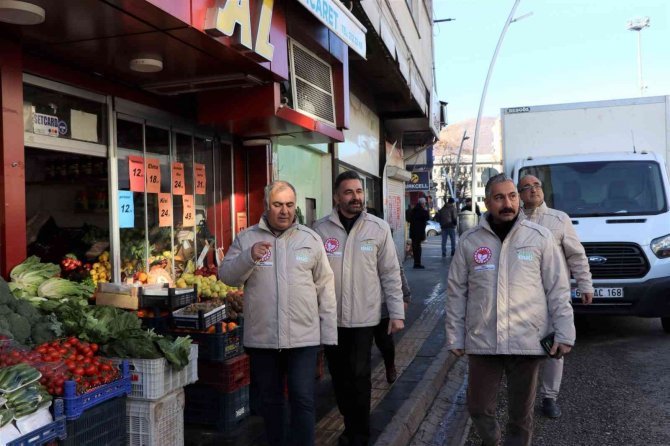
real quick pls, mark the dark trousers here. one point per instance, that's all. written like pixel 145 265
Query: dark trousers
pixel 485 375
pixel 384 342
pixel 416 250
pixel 349 366
pixel 451 234
pixel 269 370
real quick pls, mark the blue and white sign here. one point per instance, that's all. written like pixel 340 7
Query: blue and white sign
pixel 420 181
pixel 62 127
pixel 339 20
pixel 126 209
pixel 45 124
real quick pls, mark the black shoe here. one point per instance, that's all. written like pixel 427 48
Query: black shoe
pixel 391 374
pixel 444 254
pixel 550 408
pixel 452 253
pixel 419 267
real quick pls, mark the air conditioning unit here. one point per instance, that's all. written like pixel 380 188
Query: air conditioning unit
pixel 311 84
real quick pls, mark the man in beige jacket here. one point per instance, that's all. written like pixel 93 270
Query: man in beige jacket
pixel 507 289
pixel 363 258
pixel 289 310
pixel 535 209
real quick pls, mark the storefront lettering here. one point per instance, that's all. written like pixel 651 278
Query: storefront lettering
pixel 223 20
pixel 326 11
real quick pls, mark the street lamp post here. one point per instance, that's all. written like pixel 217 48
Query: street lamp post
pixel 638 25
pixel 510 20
pixel 457 172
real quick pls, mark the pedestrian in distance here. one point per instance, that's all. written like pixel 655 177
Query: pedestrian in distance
pixel 467 206
pixel 417 230
pixel 447 216
pixel 362 255
pixel 560 225
pixel 507 289
pixel 290 310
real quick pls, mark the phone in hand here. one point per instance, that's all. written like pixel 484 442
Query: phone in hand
pixel 547 343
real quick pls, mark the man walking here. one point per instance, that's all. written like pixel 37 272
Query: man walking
pixel 362 255
pixel 447 216
pixel 507 289
pixel 532 195
pixel 417 230
pixel 290 309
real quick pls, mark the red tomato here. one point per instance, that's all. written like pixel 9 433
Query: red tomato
pixel 94 347
pixel 79 371
pixel 91 370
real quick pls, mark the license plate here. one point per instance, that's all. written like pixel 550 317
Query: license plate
pixel 600 292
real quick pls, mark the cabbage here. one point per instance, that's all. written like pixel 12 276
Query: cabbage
pixel 57 288
pixel 29 275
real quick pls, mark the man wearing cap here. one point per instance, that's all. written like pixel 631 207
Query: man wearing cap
pixel 362 255
pixel 560 225
pixel 507 289
pixel 417 230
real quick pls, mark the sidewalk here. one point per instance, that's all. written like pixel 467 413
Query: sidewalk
pixel 423 365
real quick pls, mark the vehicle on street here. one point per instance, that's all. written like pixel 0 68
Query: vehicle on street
pixel 604 163
pixel 433 228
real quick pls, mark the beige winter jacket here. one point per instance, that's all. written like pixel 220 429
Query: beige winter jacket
pixel 502 298
pixel 366 269
pixel 560 225
pixel 289 298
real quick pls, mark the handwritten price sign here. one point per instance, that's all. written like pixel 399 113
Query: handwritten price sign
pixel 178 179
pixel 189 211
pixel 153 175
pixel 136 173
pixel 200 179
pixel 164 210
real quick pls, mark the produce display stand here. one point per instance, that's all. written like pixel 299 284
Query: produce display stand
pixel 200 320
pixel 167 298
pixel 45 434
pixel 156 423
pixel 227 376
pixel 104 424
pixel 221 410
pixel 217 346
pixel 152 379
pixel 75 404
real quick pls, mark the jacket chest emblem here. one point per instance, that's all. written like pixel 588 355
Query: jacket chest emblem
pixel 367 247
pixel 525 256
pixel 302 258
pixel 331 245
pixel 482 255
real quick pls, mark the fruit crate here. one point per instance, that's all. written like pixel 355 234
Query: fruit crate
pixel 156 423
pixel 226 376
pixel 152 379
pixel 224 411
pixel 217 346
pixel 104 424
pixel 75 404
pixel 45 434
pixel 198 321
pixel 167 298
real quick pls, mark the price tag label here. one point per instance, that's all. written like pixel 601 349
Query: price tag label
pixel 200 179
pixel 153 175
pixel 164 210
pixel 189 211
pixel 126 209
pixel 136 173
pixel 178 179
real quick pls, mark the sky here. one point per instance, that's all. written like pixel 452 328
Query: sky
pixel 566 51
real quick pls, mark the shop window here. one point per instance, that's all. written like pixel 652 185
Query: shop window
pixel 66 205
pixel 58 115
pixel 184 206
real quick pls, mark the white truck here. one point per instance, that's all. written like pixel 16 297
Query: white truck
pixel 605 164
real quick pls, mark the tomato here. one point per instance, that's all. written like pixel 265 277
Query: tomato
pixel 94 347
pixel 79 371
pixel 58 390
pixel 73 340
pixel 91 370
pixel 105 367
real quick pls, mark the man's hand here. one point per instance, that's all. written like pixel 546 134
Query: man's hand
pixel 587 298
pixel 259 250
pixel 395 325
pixel 562 349
pixel 458 352
pixel 405 304
pixel 219 256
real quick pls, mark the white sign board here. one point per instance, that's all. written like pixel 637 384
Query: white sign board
pixel 339 20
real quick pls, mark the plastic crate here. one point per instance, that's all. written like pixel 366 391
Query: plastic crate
pixel 45 434
pixel 223 411
pixel 104 424
pixel 199 321
pixel 152 379
pixel 226 376
pixel 217 346
pixel 75 404
pixel 156 423
pixel 168 298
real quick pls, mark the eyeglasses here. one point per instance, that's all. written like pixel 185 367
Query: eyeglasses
pixel 528 187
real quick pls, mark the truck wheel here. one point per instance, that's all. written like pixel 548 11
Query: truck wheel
pixel 665 321
pixel 432 233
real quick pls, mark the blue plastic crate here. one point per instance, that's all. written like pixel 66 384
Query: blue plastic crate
pixel 45 434
pixel 75 404
pixel 205 405
pixel 104 424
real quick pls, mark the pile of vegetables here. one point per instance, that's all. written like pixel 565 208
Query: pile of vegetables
pixel 22 394
pixel 29 275
pixel 119 333
pixel 21 321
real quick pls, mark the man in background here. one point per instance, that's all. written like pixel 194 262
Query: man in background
pixel 447 216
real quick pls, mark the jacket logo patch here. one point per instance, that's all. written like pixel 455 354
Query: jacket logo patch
pixel 331 245
pixel 525 255
pixel 367 247
pixel 482 255
pixel 303 258
pixel 490 267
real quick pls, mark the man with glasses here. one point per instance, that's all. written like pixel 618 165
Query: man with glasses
pixel 560 225
pixel 507 289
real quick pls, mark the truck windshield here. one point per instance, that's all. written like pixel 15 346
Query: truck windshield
pixel 589 189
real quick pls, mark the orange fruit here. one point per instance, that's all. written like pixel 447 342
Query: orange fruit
pixel 232 326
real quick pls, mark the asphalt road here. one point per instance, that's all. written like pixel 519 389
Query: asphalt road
pixel 616 387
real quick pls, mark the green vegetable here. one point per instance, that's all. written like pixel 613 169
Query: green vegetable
pixel 175 352
pixel 57 288
pixel 29 275
pixel 19 327
pixel 6 415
